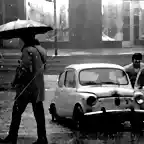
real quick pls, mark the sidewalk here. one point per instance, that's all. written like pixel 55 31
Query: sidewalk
pixel 96 51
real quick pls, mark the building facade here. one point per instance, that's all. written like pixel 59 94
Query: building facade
pixel 83 23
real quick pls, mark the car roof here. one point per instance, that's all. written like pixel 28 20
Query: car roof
pixel 94 65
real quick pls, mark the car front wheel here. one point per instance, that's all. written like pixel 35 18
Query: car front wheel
pixel 78 115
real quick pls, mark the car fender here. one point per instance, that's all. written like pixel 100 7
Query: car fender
pixel 85 95
pixel 81 99
pixel 80 104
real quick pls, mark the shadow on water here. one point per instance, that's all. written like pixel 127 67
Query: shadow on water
pixel 107 135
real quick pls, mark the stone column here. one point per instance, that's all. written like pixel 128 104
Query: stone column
pixel 119 21
pixel 3 10
pixel 131 24
pixel 21 9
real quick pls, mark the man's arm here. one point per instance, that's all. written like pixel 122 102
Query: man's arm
pixel 15 79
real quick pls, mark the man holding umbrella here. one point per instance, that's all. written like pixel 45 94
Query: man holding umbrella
pixel 31 63
pixel 29 84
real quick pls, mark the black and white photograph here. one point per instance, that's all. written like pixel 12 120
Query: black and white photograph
pixel 71 71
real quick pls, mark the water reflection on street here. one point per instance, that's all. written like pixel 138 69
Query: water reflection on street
pixel 97 138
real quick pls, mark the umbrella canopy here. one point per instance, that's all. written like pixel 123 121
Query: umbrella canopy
pixel 17 28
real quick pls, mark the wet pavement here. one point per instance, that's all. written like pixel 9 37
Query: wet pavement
pixel 57 133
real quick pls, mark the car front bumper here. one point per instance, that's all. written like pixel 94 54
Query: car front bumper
pixel 124 114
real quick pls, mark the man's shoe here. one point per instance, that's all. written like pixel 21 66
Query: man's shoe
pixel 8 139
pixel 41 141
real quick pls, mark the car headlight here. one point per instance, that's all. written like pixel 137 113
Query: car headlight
pixel 140 101
pixel 91 100
pixel 139 98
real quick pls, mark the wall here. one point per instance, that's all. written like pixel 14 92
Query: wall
pixel 21 9
pixel 11 10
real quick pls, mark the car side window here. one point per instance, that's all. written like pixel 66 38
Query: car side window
pixel 70 79
pixel 61 79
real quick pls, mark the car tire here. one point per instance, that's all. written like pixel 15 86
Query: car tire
pixel 78 115
pixel 53 113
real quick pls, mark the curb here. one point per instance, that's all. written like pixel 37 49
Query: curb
pixel 131 53
pixel 79 53
pixel 21 135
pixel 100 53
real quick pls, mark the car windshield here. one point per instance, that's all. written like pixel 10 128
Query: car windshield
pixel 99 76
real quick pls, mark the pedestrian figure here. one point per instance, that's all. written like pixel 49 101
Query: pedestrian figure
pixel 133 68
pixel 31 66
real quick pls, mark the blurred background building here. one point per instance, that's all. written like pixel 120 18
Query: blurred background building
pixel 82 23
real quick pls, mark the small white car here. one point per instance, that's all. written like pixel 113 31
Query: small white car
pixel 86 91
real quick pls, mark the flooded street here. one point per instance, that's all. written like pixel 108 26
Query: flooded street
pixel 57 133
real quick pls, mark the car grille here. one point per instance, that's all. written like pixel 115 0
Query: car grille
pixel 112 103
